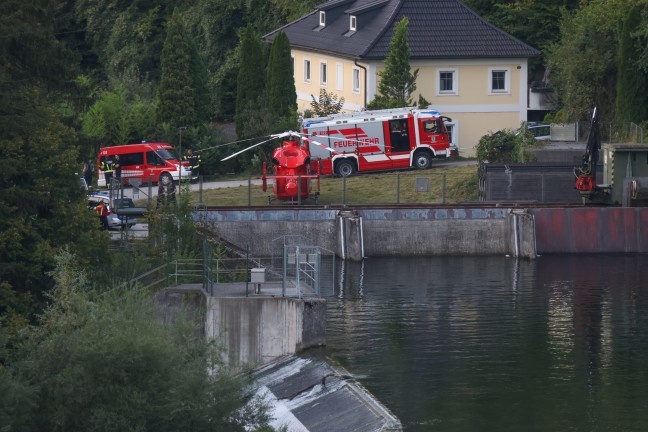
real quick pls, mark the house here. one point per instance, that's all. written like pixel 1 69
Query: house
pixel 469 69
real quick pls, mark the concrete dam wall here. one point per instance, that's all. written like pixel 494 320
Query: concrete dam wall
pixel 516 231
pixel 355 234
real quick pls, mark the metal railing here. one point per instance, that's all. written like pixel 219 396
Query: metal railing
pixel 412 187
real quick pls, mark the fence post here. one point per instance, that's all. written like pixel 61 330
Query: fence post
pixel 318 271
pixel 397 188
pixel 200 189
pixel 285 269
pixel 443 190
pixel 250 191
pixel 344 190
pixel 247 273
pixel 299 190
pixel 297 270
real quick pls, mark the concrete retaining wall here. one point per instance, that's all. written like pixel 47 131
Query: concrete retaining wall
pixel 452 231
pixel 384 232
pixel 257 330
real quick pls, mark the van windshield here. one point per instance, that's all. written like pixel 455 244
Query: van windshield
pixel 166 155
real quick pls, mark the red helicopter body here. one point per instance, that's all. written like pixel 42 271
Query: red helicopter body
pixel 293 173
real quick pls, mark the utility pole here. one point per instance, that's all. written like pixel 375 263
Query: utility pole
pixel 180 129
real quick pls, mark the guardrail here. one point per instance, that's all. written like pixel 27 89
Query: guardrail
pixel 210 273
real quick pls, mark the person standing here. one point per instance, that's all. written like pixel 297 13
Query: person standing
pixel 194 164
pixel 102 211
pixel 117 168
pixel 88 169
pixel 166 192
pixel 107 168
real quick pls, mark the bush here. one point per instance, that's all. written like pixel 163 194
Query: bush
pixel 505 146
pixel 106 362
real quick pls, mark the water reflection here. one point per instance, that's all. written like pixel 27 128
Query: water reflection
pixel 490 343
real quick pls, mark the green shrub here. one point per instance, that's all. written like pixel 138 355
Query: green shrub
pixel 505 146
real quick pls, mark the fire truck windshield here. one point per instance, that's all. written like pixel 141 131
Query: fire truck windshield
pixel 166 155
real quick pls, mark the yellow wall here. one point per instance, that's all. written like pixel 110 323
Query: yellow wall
pixel 353 101
pixel 474 109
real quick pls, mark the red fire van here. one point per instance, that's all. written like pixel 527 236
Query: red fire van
pixel 147 162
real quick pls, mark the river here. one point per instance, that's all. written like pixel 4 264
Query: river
pixel 496 344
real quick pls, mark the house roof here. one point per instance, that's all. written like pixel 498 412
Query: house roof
pixel 437 29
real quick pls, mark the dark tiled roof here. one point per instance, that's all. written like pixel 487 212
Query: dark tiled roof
pixel 368 7
pixel 332 4
pixel 438 29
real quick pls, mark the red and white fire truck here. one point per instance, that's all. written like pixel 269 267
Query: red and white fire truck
pixel 377 140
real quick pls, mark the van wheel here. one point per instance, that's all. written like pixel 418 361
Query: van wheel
pixel 422 160
pixel 165 178
pixel 345 168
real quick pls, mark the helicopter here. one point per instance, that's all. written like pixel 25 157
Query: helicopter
pixel 293 170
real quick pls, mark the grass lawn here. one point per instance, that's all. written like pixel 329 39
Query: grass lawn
pixel 404 187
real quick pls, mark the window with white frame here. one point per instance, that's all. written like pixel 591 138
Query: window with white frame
pixel 499 80
pixel 322 16
pixel 307 70
pixel 355 79
pixel 353 23
pixel 339 76
pixel 323 74
pixel 447 81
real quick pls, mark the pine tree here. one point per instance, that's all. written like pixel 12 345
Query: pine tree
pixel 42 207
pixel 281 92
pixel 250 81
pixel 176 95
pixel 397 82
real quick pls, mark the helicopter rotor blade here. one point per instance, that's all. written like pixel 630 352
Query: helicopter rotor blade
pixel 247 148
pixel 274 136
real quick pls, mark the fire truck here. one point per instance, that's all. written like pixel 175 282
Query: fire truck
pixel 365 141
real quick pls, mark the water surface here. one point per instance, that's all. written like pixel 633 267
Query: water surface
pixel 496 344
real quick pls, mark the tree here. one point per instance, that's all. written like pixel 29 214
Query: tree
pixel 280 91
pixel 114 120
pixel 397 82
pixel 250 81
pixel 583 63
pixel 105 361
pixel 42 206
pixel 327 103
pixel 632 81
pixel 176 94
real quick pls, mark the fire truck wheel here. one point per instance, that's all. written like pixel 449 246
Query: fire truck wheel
pixel 422 160
pixel 345 168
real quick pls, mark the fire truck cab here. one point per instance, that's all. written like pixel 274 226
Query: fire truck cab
pixel 377 140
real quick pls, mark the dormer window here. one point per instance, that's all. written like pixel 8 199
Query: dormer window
pixel 353 23
pixel 322 16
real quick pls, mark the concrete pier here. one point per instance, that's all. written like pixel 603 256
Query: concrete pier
pixel 256 330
